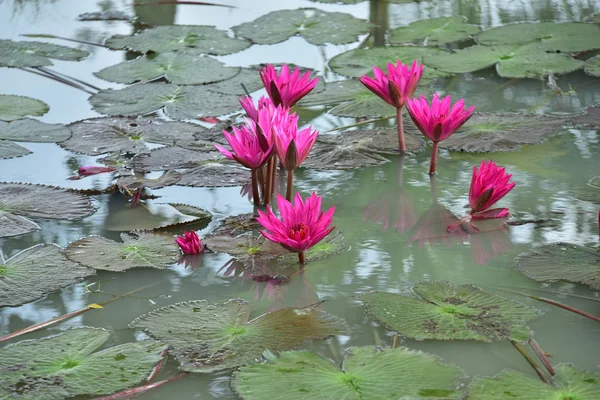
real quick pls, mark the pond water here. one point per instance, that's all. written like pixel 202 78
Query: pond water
pixel 377 207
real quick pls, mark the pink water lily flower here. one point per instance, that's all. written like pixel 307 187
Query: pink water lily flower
pixel 252 110
pixel 489 184
pixel 438 121
pixel 190 243
pixel 302 225
pixel 286 88
pixel 249 146
pixel 395 88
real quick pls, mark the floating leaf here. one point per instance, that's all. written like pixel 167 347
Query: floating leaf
pixel 178 102
pixel 247 78
pixel 16 107
pixel 358 62
pixel 592 66
pixel 549 36
pixel 12 150
pixel 199 213
pixel 502 132
pixel 32 130
pixel 591 118
pixel 207 337
pixel 134 182
pixel 35 54
pixel 512 61
pixel 37 201
pixel 104 15
pixel 136 250
pixel 358 149
pixel 35 272
pixel 237 225
pixel 189 39
pixel 569 383
pixel 316 26
pixel 174 157
pixel 152 216
pixel 332 244
pixel 368 373
pixel 215 174
pixel 67 365
pixel 182 69
pixel 562 261
pixel 449 311
pixel 434 31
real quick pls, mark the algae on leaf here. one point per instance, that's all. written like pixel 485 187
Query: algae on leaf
pixel 16 107
pixel 434 31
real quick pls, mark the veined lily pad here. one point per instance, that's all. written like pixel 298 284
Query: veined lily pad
pixel 35 272
pixel 136 250
pixel 358 62
pixel 367 373
pixel 512 61
pixel 502 132
pixel 189 39
pixel 448 311
pixel 19 200
pixel 215 174
pixel 32 130
pixel 237 224
pixel 179 68
pixel 174 157
pixel 592 66
pixel 549 36
pixel 562 261
pixel 316 26
pixel 35 54
pixel 16 107
pixel 248 78
pixel 570 383
pixel 178 102
pixel 152 217
pixel 435 31
pixel 68 365
pixel 207 337
pixel 134 182
pixel 12 150
pixel 358 149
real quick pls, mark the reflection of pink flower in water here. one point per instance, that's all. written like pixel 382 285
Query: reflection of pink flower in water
pixel 191 261
pixel 491 241
pixel 431 227
pixel 394 208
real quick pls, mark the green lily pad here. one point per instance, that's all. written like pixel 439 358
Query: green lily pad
pixel 16 107
pixel 236 225
pixel 68 364
pixel 32 130
pixel 136 182
pixel 12 150
pixel 562 261
pixel 207 337
pixel 487 132
pixel 97 136
pixel 215 174
pixel 549 36
pixel 316 26
pixel 189 39
pixel 174 157
pixel 152 217
pixel 592 66
pixel 512 61
pixel 35 272
pixel 359 148
pixel 367 373
pixel 570 383
pixel 248 78
pixel 20 200
pixel 448 311
pixel 36 54
pixel 136 250
pixel 181 69
pixel 435 31
pixel 358 62
pixel 177 102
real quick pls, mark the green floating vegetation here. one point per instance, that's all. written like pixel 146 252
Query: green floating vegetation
pixel 445 311
pixel 12 150
pixel 367 373
pixel 592 66
pixel 316 26
pixel 562 261
pixel 135 182
pixel 16 107
pixel 154 217
pixel 35 272
pixel 207 337
pixel 35 54
pixel 68 365
pixel 435 31
pixel 175 157
pixel 32 130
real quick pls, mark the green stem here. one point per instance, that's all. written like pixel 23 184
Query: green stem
pixel 542 356
pixel 400 123
pixel 434 157
pixel 531 361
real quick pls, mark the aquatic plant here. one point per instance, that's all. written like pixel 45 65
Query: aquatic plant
pixel 488 185
pixel 286 89
pixel 251 110
pixel 301 226
pixel 190 243
pixel 395 88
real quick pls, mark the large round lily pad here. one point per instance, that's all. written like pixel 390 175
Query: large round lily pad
pixel 367 373
pixel 189 39
pixel 179 68
pixel 248 79
pixel 12 150
pixel 215 174
pixel 316 26
pixel 569 383
pixel 447 311
pixel 35 272
pixel 135 182
pixel 434 31
pixel 16 107
pixel 177 102
pixel 549 36
pixel 153 217
pixel 35 54
pixel 592 66
pixel 174 157
pixel 136 250
pixel 32 130
pixel 68 365
pixel 502 132
pixel 562 261
pixel 207 337
pixel 18 200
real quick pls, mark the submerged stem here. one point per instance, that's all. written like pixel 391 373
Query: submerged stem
pixel 255 195
pixel 141 389
pixel 269 181
pixel 301 258
pixel 531 361
pixel 542 356
pixel 290 185
pixel 395 341
pixel 434 156
pixel 400 123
